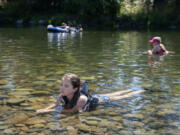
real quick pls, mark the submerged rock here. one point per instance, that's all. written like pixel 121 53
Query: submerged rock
pixel 19 125
pixel 156 125
pixel 72 131
pixel 17 118
pixel 15 101
pixel 20 93
pixel 8 131
pixel 1 123
pixel 124 132
pixel 88 78
pixel 3 127
pixel 84 128
pixel 24 89
pixel 134 117
pixel 40 93
pixel 93 118
pixel 34 121
pixel 3 82
pixel 24 128
pixel 117 118
pixel 140 131
pixel 94 123
pixel 29 109
pixel 40 125
pixel 6 87
pixel 105 123
pixel 56 127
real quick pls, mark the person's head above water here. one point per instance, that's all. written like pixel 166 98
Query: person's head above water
pixel 70 84
pixel 63 24
pixel 156 40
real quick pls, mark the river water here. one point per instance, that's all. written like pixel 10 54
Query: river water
pixel 33 61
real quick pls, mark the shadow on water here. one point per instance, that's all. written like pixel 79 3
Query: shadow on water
pixel 33 61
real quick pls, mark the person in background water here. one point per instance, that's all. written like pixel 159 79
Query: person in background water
pixel 75 99
pixel 79 28
pixel 158 47
pixel 156 55
pixel 64 26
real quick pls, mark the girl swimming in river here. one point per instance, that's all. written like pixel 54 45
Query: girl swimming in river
pixel 158 47
pixel 75 99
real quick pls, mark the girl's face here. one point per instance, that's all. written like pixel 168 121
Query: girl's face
pixel 155 43
pixel 66 88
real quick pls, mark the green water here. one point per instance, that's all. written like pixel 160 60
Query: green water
pixel 33 61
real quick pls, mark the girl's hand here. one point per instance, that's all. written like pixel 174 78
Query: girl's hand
pixel 42 111
pixel 149 52
pixel 59 99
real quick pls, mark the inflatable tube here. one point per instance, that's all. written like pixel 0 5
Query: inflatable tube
pixel 58 29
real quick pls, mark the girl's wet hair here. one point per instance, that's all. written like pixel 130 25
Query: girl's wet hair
pixel 75 81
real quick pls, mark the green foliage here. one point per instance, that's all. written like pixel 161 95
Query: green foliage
pixel 91 8
pixel 46 6
pixel 58 19
pixel 17 10
pixel 164 14
pixel 149 13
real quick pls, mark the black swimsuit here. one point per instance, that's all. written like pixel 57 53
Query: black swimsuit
pixel 91 103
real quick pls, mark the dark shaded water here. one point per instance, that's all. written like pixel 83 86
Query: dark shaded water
pixel 33 61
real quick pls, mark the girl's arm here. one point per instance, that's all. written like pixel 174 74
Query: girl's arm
pixel 167 52
pixel 163 47
pixel 149 52
pixel 59 99
pixel 51 107
pixel 45 110
pixel 79 106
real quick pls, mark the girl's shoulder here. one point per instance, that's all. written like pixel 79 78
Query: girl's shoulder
pixel 82 101
pixel 82 97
